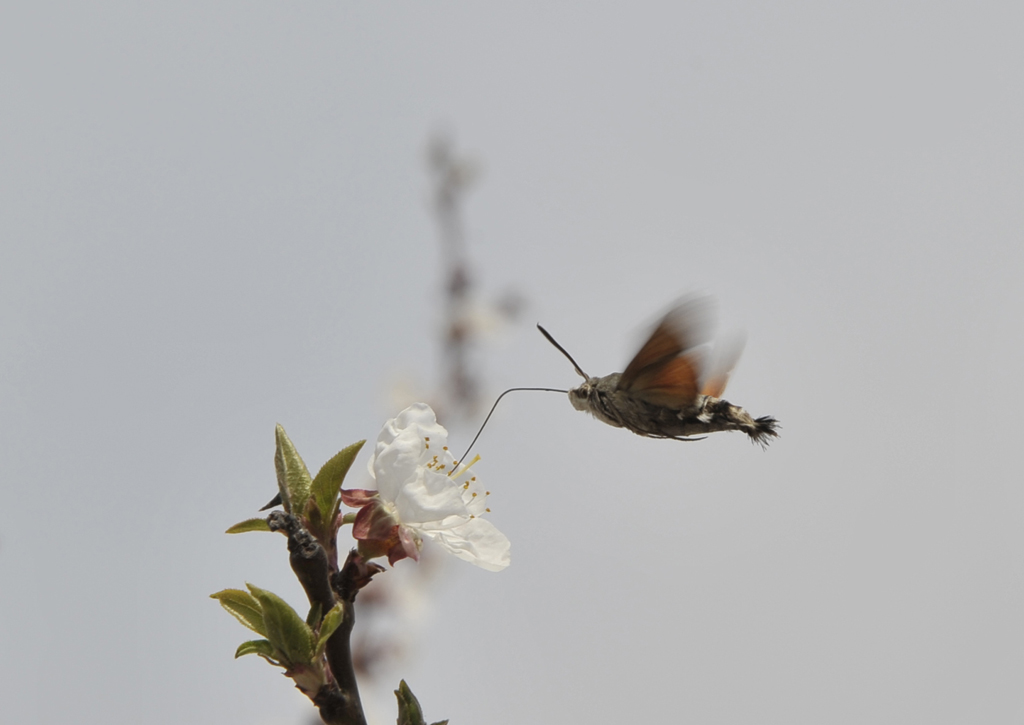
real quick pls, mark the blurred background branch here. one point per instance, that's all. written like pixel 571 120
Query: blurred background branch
pixel 393 609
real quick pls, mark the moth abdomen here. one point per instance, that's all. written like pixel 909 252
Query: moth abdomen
pixel 723 415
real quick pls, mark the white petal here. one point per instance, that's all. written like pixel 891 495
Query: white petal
pixel 396 464
pixel 477 541
pixel 419 417
pixel 406 442
pixel 431 497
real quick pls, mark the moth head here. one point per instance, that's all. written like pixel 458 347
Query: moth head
pixel 582 397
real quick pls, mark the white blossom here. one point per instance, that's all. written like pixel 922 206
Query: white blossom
pixel 422 493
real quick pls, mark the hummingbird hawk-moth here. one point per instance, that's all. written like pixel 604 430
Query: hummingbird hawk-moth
pixel 670 389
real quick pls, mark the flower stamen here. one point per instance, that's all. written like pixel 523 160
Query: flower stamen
pixel 459 468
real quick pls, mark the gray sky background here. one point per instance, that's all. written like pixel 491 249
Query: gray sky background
pixel 215 218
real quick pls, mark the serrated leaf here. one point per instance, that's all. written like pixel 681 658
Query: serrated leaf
pixel 331 476
pixel 293 477
pixel 244 607
pixel 330 624
pixel 249 525
pixel 261 647
pixel 409 711
pixel 286 630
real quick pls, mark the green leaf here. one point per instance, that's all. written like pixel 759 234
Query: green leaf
pixel 330 478
pixel 286 630
pixel 330 624
pixel 244 607
pixel 249 525
pixel 261 647
pixel 313 520
pixel 409 711
pixel 292 475
pixel 313 618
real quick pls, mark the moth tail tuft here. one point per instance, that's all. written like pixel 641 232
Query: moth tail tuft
pixel 763 430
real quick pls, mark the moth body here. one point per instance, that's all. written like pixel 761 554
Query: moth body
pixel 669 390
pixel 601 398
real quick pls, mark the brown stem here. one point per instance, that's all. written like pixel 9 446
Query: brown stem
pixel 338 701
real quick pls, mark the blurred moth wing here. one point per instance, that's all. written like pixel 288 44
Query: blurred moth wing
pixel 667 369
pixel 725 357
pixel 671 384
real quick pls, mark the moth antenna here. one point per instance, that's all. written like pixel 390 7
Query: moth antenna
pixel 484 424
pixel 562 350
